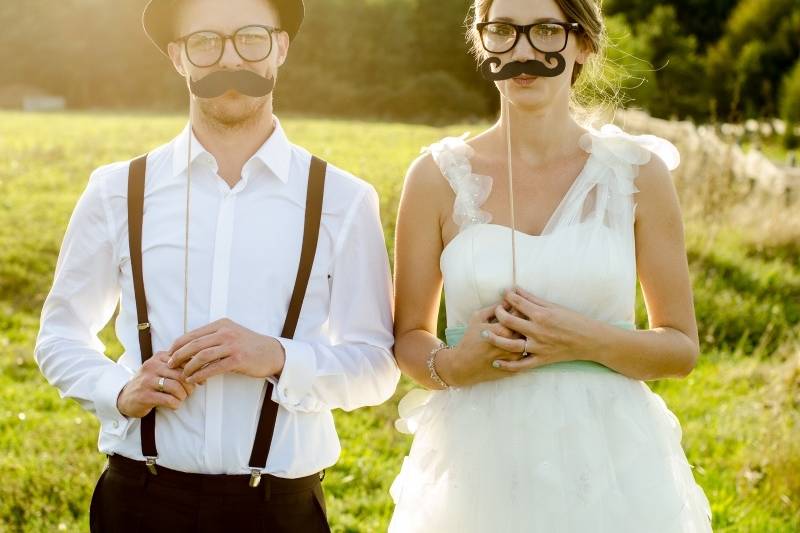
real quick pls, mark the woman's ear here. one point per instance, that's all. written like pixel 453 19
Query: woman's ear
pixel 583 51
pixel 175 52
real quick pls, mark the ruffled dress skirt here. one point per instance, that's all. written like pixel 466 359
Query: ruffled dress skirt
pixel 571 447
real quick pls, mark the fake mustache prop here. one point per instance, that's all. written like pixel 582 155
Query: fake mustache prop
pixel 515 68
pixel 243 81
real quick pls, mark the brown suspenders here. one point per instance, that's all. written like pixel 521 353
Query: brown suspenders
pixel 269 409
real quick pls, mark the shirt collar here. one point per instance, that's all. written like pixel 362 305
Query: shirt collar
pixel 275 154
pixel 179 156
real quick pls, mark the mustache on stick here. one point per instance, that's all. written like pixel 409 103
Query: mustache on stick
pixel 245 82
pixel 515 68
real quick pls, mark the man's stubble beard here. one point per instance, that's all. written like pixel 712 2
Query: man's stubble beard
pixel 221 118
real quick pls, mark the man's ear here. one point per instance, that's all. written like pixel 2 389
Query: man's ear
pixel 282 40
pixel 175 52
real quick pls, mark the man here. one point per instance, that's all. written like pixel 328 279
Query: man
pixel 209 240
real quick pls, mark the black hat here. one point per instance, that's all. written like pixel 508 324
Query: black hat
pixel 159 15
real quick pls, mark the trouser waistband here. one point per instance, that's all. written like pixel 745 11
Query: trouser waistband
pixel 209 483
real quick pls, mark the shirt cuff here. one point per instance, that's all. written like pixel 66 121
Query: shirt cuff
pixel 297 376
pixel 111 382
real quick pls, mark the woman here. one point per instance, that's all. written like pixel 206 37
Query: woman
pixel 538 419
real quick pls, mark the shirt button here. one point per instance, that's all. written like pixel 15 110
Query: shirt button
pixel 115 424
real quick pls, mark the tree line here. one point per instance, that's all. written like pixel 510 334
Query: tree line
pixel 407 59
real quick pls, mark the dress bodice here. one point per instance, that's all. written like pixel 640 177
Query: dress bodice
pixel 584 258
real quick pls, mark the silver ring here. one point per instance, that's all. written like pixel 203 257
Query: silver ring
pixel 525 348
pixel 161 381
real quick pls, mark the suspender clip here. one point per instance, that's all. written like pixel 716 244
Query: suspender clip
pixel 151 465
pixel 144 326
pixel 255 477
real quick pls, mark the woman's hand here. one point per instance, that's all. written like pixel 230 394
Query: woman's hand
pixel 471 360
pixel 554 333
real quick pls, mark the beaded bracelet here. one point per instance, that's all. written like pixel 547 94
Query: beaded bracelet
pixel 432 365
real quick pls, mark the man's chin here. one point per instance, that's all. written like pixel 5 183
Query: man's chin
pixel 232 109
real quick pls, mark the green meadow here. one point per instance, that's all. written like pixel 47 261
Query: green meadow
pixel 739 409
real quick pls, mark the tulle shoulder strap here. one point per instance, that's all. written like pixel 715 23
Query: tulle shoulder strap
pixel 612 144
pixel 452 156
pixel 618 155
pixel 624 153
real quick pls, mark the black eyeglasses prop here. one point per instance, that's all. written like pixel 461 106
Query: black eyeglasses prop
pixel 550 38
pixel 205 48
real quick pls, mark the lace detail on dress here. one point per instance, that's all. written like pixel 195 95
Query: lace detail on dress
pixel 452 155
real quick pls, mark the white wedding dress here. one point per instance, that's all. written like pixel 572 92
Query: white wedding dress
pixel 572 447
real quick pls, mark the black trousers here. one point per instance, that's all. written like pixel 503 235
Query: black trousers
pixel 128 499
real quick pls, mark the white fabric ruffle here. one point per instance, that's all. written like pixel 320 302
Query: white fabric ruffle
pixel 552 450
pixel 452 155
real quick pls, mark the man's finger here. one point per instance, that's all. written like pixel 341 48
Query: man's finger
pixel 162 399
pixel 181 341
pixel 209 355
pixel 163 370
pixel 220 366
pixel 191 348
pixel 173 387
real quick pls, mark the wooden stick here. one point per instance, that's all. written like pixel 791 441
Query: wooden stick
pixel 186 241
pixel 511 195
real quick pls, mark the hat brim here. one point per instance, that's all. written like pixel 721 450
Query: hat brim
pixel 159 15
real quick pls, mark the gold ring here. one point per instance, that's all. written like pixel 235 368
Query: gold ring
pixel 525 348
pixel 161 381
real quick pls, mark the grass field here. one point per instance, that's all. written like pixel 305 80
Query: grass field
pixel 740 409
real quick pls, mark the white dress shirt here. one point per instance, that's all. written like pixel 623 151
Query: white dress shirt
pixel 244 251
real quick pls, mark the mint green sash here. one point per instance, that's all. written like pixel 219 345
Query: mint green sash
pixel 454 334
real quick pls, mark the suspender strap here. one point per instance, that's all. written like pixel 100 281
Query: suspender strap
pixel 136 175
pixel 269 409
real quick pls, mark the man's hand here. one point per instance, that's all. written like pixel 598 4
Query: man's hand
pixel 139 396
pixel 224 346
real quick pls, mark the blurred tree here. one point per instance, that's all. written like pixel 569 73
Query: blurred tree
pixel 761 43
pixel 704 19
pixel 790 105
pixel 675 85
pixel 440 46
pixel 367 57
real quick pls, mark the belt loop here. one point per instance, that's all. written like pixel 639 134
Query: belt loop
pixel 266 489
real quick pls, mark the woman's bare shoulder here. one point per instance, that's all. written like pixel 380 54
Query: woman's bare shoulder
pixel 656 195
pixel 424 177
